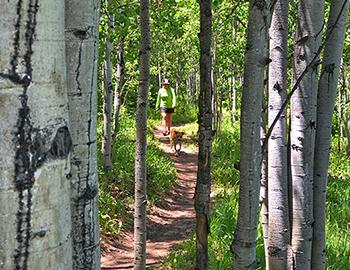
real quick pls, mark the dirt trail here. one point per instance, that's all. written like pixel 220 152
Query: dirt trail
pixel 167 225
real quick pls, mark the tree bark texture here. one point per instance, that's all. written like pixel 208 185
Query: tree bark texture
pixel 303 128
pixel 264 211
pixel 35 222
pixel 279 230
pixel 141 144
pixel 82 64
pixel 108 95
pixel 203 184
pixel 119 77
pixel 244 243
pixel 327 92
pixel 346 118
pixel 215 94
pixel 231 96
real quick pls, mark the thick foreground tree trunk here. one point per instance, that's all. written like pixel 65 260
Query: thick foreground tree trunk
pixel 279 231
pixel 81 56
pixel 141 143
pixel 327 93
pixel 303 128
pixel 35 221
pixel 203 184
pixel 244 243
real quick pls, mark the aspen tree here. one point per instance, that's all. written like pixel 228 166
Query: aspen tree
pixel 244 243
pixel 35 221
pixel 203 184
pixel 327 92
pixel 108 93
pixel 279 231
pixel 82 59
pixel 141 143
pixel 303 128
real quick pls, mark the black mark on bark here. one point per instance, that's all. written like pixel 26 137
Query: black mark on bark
pixel 24 165
pixel 296 148
pixel 77 71
pixel 30 149
pixel 273 251
pixel 277 87
pixel 89 193
pixel 61 145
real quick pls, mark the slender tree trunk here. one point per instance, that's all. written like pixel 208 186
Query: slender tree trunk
pixel 344 115
pixel 119 80
pixel 234 99
pixel 244 243
pixel 35 221
pixel 264 212
pixel 279 230
pixel 82 62
pixel 214 88
pixel 230 99
pixel 141 144
pixel 194 84
pixel 220 115
pixel 120 74
pixel 327 92
pixel 233 78
pixel 347 134
pixel 346 120
pixel 108 96
pixel 203 185
pixel 339 115
pixel 303 128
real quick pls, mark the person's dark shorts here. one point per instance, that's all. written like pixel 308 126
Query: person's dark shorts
pixel 166 110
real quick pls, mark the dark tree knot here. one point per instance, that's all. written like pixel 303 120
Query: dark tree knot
pixel 62 144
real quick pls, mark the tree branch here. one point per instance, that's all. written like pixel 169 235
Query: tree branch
pixel 311 64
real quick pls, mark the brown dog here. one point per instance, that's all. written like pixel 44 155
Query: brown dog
pixel 175 140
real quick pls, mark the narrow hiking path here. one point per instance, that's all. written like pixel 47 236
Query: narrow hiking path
pixel 168 224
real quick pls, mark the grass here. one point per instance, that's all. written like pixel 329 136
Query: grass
pixel 117 185
pixel 225 180
pixel 116 193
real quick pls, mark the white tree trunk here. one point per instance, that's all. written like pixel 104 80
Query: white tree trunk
pixel 244 243
pixel 279 230
pixel 82 60
pixel 205 118
pixel 264 211
pixel 303 127
pixel 214 79
pixel 141 142
pixel 107 110
pixel 346 120
pixel 325 106
pixel 119 77
pixel 35 222
pixel 108 94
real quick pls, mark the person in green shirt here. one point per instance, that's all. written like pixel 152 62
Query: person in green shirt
pixel 166 102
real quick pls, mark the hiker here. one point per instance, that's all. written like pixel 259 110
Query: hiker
pixel 166 101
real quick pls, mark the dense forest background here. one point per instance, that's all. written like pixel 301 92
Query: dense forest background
pixel 262 96
pixel 175 55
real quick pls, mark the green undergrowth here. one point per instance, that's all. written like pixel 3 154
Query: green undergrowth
pixel 224 208
pixel 117 185
pixel 225 180
pixel 338 209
